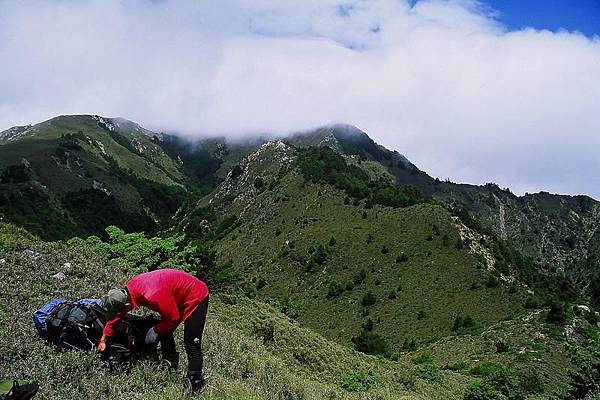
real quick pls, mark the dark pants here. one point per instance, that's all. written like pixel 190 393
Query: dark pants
pixel 193 327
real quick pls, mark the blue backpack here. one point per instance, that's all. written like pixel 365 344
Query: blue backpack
pixel 73 325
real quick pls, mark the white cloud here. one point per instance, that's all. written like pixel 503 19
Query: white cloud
pixel 442 82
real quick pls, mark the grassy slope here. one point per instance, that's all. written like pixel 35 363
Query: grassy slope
pixel 439 280
pixel 296 364
pixel 62 177
pixel 151 162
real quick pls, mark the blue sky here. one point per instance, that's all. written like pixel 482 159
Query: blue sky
pixel 572 15
pixel 463 92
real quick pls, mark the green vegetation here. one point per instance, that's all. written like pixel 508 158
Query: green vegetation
pixel 500 382
pixel 138 253
pixel 329 272
pixel 358 381
pixel 321 164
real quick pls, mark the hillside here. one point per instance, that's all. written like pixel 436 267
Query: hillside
pixel 254 351
pixel 282 225
pixel 89 172
pixel 76 174
pixel 557 231
pixel 340 270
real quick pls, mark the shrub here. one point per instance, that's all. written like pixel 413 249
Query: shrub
pixel 464 325
pixel 445 240
pixel 259 183
pixel 283 251
pixel 482 390
pixel 320 164
pixel 384 250
pixel 501 347
pixel 368 299
pixel 409 345
pixel 264 330
pixel 358 381
pixel 492 282
pixel 360 277
pixel 236 171
pixel 392 295
pixel 369 342
pixel 557 314
pixel 335 289
pixel 429 372
pixel 318 254
pixel 332 241
pixel 402 258
pixel 421 314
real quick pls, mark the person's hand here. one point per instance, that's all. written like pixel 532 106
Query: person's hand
pixel 102 345
pixel 151 336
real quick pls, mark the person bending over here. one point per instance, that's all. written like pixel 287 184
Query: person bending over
pixel 177 296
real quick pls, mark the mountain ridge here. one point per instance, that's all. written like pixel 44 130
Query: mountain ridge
pixel 556 230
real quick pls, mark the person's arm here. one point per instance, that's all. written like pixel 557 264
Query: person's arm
pixel 169 313
pixel 109 331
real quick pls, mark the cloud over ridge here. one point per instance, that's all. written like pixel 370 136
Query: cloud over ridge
pixel 440 81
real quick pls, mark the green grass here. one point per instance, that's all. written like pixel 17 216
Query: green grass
pixel 435 283
pixel 296 363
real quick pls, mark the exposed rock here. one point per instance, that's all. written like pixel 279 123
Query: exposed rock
pixel 569 332
pixel 34 255
pixel 583 308
pixel 60 276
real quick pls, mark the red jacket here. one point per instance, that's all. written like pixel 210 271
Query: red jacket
pixel 172 293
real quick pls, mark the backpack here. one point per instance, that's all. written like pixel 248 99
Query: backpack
pixel 71 325
pixel 78 326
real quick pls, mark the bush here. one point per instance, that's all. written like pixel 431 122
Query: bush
pixel 335 289
pixel 368 299
pixel 445 240
pixel 401 258
pixel 369 342
pixel 557 314
pixel 428 371
pixel 360 277
pixel 283 251
pixel 259 183
pixel 409 345
pixel 332 241
pixel 236 171
pixel 358 381
pixel 320 164
pixel 501 347
pixel 264 330
pixel 482 390
pixel 466 325
pixel 492 282
pixel 318 254
pixel 501 383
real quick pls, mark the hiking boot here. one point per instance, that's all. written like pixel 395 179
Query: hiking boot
pixel 194 382
pixel 171 360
